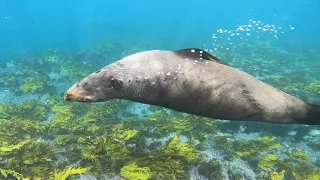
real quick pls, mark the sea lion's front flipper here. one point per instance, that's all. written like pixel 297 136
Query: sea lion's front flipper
pixel 195 53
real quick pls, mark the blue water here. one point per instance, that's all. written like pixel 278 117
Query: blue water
pixel 277 41
pixel 33 26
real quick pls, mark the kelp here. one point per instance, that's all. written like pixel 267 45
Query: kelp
pixel 25 156
pixel 313 87
pixel 168 162
pixel 277 175
pixel 212 170
pixel 6 173
pixel 191 126
pixel 30 110
pixel 268 161
pixel 62 175
pixel 299 156
pixel 133 171
pixel 252 148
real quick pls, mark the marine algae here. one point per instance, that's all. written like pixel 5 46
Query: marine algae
pixel 313 87
pixel 62 175
pixel 191 126
pixel 299 156
pixel 268 161
pixel 252 148
pixel 212 170
pixel 25 156
pixel 170 161
pixel 36 83
pixel 133 172
pixel 5 173
pixel 305 172
pixel 6 149
pixel 63 120
pixel 29 110
pixel 277 175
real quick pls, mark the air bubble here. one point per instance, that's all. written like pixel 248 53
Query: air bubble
pixel 254 29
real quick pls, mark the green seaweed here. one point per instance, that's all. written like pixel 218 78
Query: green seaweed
pixel 268 161
pixel 62 175
pixel 7 173
pixel 249 149
pixel 35 84
pixel 306 172
pixel 299 156
pixel 223 143
pixel 277 175
pixel 170 161
pixel 212 170
pixel 133 171
pixel 193 127
pixel 30 110
pixel 26 155
pixel 313 87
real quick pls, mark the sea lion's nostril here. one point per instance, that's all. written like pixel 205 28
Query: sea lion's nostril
pixel 67 96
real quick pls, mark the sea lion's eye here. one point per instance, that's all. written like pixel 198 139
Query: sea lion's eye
pixel 85 84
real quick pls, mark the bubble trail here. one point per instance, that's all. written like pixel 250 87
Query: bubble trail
pixel 226 40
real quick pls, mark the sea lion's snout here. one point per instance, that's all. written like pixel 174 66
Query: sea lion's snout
pixel 89 89
pixel 72 97
pixel 67 96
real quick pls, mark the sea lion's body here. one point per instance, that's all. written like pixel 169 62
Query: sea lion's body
pixel 194 82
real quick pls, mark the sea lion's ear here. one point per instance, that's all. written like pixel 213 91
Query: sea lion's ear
pixel 195 53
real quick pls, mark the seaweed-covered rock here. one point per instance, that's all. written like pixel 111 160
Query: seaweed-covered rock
pixel 268 161
pixel 212 170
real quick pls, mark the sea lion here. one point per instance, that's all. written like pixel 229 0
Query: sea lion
pixel 195 82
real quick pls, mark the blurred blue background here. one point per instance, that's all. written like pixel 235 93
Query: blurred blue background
pixel 28 27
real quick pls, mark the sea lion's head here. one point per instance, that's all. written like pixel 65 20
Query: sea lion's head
pixel 100 86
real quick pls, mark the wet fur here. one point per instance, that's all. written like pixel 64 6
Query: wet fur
pixel 201 85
